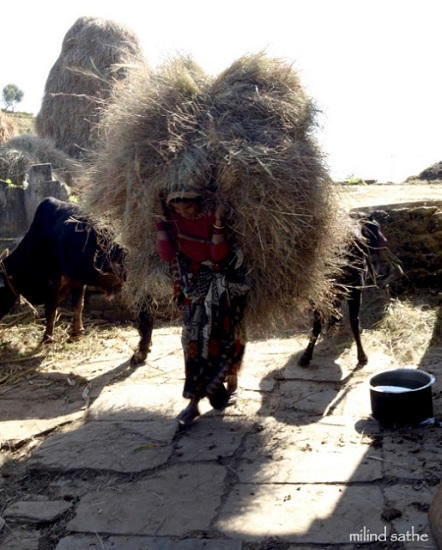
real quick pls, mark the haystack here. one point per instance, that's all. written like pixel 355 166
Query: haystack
pixel 8 127
pixel 18 154
pixel 245 139
pixel 93 56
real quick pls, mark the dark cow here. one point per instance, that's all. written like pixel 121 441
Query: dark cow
pixel 362 260
pixel 62 253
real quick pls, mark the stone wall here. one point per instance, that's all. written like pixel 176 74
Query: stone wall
pixel 18 204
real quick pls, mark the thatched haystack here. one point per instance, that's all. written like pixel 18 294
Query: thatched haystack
pixel 245 139
pixel 93 56
pixel 18 154
pixel 8 127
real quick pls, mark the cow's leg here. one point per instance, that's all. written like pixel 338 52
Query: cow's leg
pixel 77 310
pixel 50 314
pixel 354 306
pixel 145 327
pixel 306 357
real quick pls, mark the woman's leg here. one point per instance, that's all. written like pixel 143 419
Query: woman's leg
pixel 194 389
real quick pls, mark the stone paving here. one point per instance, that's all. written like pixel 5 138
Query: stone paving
pixel 296 463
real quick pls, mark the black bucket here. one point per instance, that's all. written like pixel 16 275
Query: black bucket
pixel 401 396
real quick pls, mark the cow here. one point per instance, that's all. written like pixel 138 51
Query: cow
pixel 362 260
pixel 62 253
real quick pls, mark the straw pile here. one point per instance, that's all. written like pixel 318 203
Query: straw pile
pixel 93 56
pixel 7 127
pixel 244 139
pixel 18 154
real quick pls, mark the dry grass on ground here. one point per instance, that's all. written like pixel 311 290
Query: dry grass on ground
pixel 406 330
pixel 23 357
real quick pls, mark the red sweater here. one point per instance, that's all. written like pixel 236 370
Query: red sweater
pixel 178 228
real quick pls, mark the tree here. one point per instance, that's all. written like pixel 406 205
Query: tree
pixel 11 96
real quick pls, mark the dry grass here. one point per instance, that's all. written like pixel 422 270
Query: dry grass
pixel 244 139
pixel 406 330
pixel 22 357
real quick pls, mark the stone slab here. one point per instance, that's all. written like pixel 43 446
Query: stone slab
pixel 21 539
pixel 36 511
pixel 313 514
pixel 413 454
pixel 435 516
pixel 269 353
pixel 329 451
pixel 48 403
pixel 174 502
pixel 322 547
pixel 412 502
pixel 138 401
pixel 80 542
pixel 256 381
pixel 248 404
pixel 321 369
pixel 16 431
pixel 215 437
pixel 112 446
pixel 310 397
pixel 353 400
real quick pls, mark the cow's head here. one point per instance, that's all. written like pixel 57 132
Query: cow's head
pixel 383 265
pixel 109 283
pixel 374 237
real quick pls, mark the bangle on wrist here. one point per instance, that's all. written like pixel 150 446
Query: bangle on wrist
pixel 218 226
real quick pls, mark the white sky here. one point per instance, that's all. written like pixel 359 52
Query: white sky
pixel 372 66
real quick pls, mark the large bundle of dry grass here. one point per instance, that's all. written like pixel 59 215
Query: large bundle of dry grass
pixel 93 56
pixel 8 127
pixel 18 154
pixel 245 139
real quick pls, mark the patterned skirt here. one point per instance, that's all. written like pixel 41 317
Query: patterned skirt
pixel 213 299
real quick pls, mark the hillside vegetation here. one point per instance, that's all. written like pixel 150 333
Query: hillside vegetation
pixel 25 122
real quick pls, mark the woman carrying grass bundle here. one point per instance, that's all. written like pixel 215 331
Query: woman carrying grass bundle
pixel 210 288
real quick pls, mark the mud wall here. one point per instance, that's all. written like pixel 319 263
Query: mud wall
pixel 414 235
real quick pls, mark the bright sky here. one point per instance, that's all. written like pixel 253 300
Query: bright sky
pixel 372 66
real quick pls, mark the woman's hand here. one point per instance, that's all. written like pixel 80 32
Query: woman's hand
pixel 159 211
pixel 220 213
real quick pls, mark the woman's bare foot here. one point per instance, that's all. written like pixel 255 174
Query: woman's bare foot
pixel 232 383
pixel 188 415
